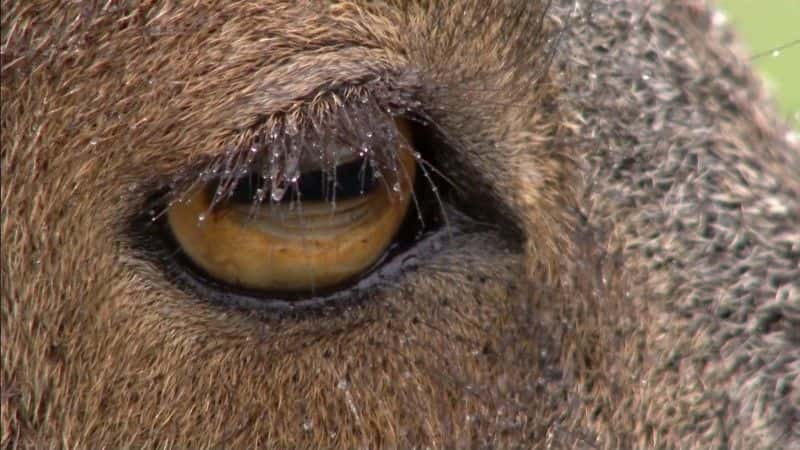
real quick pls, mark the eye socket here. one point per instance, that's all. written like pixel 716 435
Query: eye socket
pixel 329 225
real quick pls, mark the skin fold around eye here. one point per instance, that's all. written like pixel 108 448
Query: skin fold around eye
pixel 293 246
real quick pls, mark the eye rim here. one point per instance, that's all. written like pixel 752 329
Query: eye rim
pixel 409 244
pixel 395 263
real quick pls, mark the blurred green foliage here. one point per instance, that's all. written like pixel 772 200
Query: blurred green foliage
pixel 767 25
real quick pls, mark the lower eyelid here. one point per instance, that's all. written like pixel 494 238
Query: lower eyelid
pixel 390 273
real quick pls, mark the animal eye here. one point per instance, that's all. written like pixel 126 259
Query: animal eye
pixel 328 221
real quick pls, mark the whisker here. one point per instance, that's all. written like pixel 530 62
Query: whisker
pixel 777 49
pixel 407 178
pixel 441 175
pixel 439 201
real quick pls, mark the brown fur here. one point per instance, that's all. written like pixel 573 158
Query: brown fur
pixel 651 298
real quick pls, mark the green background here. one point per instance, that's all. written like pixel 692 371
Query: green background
pixel 766 25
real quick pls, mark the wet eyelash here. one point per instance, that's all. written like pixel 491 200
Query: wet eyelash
pixel 270 153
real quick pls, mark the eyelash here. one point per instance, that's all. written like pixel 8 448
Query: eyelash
pixel 350 119
pixel 272 151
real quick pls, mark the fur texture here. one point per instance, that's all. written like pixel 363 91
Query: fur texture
pixel 640 286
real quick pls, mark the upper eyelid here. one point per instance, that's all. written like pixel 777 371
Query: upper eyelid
pixel 321 73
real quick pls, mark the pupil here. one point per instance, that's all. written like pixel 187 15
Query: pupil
pixel 353 179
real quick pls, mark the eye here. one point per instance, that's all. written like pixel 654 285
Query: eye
pixel 320 224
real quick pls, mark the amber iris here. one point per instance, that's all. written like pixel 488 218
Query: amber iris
pixel 311 243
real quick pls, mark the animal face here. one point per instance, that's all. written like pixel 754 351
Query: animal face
pixel 593 242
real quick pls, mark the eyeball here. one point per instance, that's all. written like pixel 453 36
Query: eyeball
pixel 330 226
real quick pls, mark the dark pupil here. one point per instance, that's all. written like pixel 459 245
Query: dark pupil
pixel 352 179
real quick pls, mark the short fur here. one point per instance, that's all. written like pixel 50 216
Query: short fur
pixel 651 299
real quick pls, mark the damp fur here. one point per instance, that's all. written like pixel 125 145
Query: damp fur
pixel 651 300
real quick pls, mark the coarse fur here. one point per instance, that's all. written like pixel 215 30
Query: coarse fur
pixel 640 286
